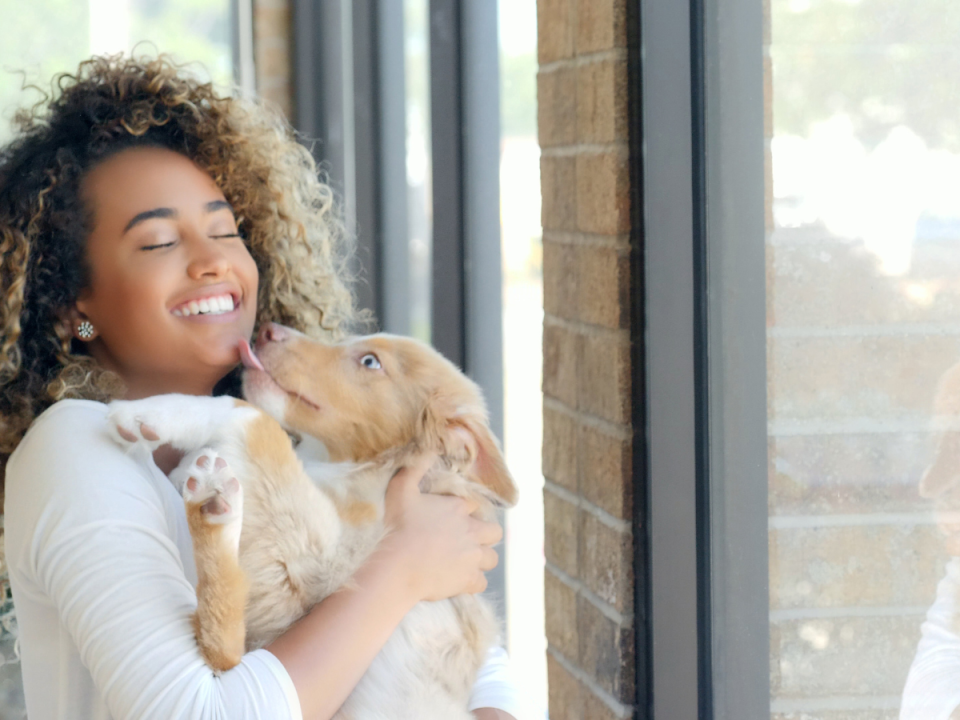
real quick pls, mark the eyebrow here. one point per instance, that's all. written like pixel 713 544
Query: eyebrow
pixel 165 213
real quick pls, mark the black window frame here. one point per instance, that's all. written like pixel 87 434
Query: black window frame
pixel 699 330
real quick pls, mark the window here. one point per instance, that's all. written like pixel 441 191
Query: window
pixel 41 39
pixel 802 357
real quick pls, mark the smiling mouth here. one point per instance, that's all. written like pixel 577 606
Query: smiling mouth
pixel 214 305
pixel 252 362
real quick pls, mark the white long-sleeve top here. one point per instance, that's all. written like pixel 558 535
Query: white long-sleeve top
pixel 932 690
pixel 101 567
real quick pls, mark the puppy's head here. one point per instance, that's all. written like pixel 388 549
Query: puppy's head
pixel 367 395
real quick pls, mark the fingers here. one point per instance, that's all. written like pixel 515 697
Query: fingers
pixel 408 478
pixel 404 486
pixel 486 533
pixel 478 585
pixel 488 559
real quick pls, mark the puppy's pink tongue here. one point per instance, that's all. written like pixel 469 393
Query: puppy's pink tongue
pixel 247 357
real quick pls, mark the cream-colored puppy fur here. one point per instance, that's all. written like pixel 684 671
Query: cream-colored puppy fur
pixel 284 537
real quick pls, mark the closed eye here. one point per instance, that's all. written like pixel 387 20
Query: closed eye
pixel 212 237
pixel 155 247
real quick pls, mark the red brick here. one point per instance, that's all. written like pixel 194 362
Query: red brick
pixel 606 475
pixel 560 360
pixel 558 186
pixel 603 192
pixel 606 562
pixel 603 290
pixel 560 449
pixel 560 529
pixel 604 377
pixel 601 25
pixel 555 37
pixel 601 96
pixel 560 609
pixel 557 106
pixel 606 651
pixel 565 692
pixel 560 278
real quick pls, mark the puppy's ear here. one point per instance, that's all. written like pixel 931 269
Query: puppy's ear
pixel 489 467
pixel 462 434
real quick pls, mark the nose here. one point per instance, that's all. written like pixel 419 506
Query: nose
pixel 208 260
pixel 271 332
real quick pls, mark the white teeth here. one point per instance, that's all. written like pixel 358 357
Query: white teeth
pixel 207 306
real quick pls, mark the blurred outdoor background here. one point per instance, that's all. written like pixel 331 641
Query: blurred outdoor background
pixel 863 307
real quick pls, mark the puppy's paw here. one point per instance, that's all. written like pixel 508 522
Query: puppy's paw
pixel 211 492
pixel 131 422
pixel 184 421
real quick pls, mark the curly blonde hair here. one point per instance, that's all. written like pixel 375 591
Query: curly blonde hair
pixel 287 218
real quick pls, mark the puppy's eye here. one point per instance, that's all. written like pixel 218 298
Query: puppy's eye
pixel 370 361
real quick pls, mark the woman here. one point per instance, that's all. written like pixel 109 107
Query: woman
pixel 133 192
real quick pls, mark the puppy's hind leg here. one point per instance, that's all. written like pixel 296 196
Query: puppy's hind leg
pixel 214 505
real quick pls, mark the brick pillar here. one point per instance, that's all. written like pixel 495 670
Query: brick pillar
pixel 272 52
pixel 582 98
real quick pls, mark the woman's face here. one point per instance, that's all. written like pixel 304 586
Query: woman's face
pixel 173 288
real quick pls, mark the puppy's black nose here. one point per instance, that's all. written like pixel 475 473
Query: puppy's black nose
pixel 271 332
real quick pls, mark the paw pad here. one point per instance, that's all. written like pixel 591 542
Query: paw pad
pixel 211 485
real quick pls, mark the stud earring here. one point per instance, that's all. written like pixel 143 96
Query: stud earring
pixel 85 330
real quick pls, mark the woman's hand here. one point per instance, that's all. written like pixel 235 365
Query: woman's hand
pixel 492 714
pixel 443 550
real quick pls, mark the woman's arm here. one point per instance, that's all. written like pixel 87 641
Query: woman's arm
pixel 932 691
pixel 92 545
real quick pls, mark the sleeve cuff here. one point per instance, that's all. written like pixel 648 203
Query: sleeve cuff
pixel 496 687
pixel 283 678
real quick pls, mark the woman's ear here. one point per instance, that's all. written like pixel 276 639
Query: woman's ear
pixel 79 324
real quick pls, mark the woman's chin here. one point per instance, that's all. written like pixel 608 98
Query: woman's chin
pixel 222 361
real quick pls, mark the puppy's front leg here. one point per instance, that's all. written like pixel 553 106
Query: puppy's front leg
pixel 214 505
pixel 186 422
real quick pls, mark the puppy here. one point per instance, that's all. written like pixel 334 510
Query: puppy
pixel 272 538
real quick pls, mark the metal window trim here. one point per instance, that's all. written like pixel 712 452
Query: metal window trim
pixel 368 181
pixel 735 306
pixel 699 330
pixel 394 232
pixel 466 303
pixel 448 311
pixel 668 611
pixel 241 30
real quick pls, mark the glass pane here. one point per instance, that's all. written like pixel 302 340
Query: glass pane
pixel 863 344
pixel 43 37
pixel 521 250
pixel 419 163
